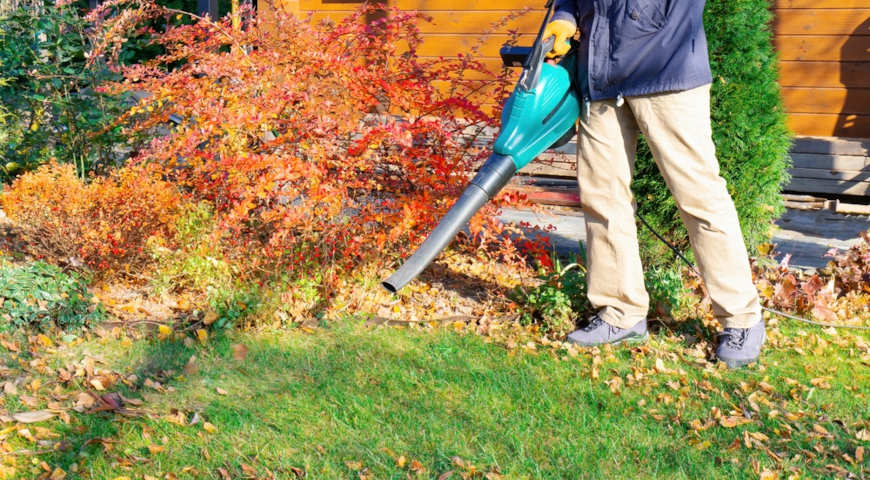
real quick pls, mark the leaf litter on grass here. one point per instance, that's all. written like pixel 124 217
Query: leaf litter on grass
pixel 772 423
pixel 672 376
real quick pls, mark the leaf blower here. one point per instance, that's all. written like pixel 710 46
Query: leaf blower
pixel 541 113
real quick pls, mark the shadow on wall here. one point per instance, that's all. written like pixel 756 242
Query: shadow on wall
pixel 854 119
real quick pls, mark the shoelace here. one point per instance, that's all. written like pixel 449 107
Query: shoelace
pixel 594 323
pixel 734 337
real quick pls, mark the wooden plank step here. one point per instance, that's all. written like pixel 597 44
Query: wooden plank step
pixel 832 145
pixel 837 187
pixel 822 174
pixel 829 162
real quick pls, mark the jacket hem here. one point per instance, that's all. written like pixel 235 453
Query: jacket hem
pixel 676 86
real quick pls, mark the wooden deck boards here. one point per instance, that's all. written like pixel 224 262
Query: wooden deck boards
pixel 821 165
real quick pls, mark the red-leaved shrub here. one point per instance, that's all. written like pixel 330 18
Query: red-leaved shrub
pixel 329 143
pixel 103 223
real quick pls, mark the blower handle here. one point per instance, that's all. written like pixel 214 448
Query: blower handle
pixel 540 48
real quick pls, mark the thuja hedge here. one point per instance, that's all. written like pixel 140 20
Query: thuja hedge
pixel 749 129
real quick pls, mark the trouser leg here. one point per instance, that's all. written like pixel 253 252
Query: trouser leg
pixel 677 128
pixel 606 148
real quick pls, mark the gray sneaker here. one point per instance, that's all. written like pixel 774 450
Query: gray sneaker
pixel 599 332
pixel 739 347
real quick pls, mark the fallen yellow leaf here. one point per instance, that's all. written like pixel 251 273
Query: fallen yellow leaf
pixel 240 351
pixel 733 421
pixel 6 472
pixel 45 341
pixel 615 385
pixel 210 317
pixel 820 429
pixel 32 417
pixel 25 433
pixel 821 382
pixel 728 422
pixel 164 329
pixel 208 427
pixel 768 475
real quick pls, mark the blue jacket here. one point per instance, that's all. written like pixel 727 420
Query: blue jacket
pixel 638 47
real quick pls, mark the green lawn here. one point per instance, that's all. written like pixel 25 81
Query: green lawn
pixel 352 402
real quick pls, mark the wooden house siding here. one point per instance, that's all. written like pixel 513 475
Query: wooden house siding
pixel 824 48
pixel 456 24
pixel 824 53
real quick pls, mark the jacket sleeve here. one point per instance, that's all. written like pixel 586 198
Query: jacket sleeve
pixel 566 10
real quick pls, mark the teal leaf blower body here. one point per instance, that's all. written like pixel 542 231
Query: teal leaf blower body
pixel 541 113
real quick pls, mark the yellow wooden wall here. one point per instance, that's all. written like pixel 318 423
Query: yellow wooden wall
pixel 456 24
pixel 824 48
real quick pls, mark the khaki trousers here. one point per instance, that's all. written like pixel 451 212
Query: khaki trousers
pixel 677 127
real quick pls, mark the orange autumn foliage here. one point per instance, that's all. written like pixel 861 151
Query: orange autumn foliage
pixel 325 145
pixel 103 223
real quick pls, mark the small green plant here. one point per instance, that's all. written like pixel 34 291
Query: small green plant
pixel 196 261
pixel 667 291
pixel 233 304
pixel 560 299
pixel 42 296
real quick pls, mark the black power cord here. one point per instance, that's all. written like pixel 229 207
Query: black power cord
pixel 775 312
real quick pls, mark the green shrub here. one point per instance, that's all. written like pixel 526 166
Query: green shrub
pixel 42 296
pixel 195 261
pixel 667 291
pixel 50 92
pixel 749 129
pixel 558 302
pixel 234 305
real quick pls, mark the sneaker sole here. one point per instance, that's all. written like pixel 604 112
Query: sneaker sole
pixel 627 341
pixel 734 364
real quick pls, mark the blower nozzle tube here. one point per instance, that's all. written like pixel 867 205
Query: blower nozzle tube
pixel 492 177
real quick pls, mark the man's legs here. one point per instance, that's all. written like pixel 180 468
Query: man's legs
pixel 677 128
pixel 605 164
